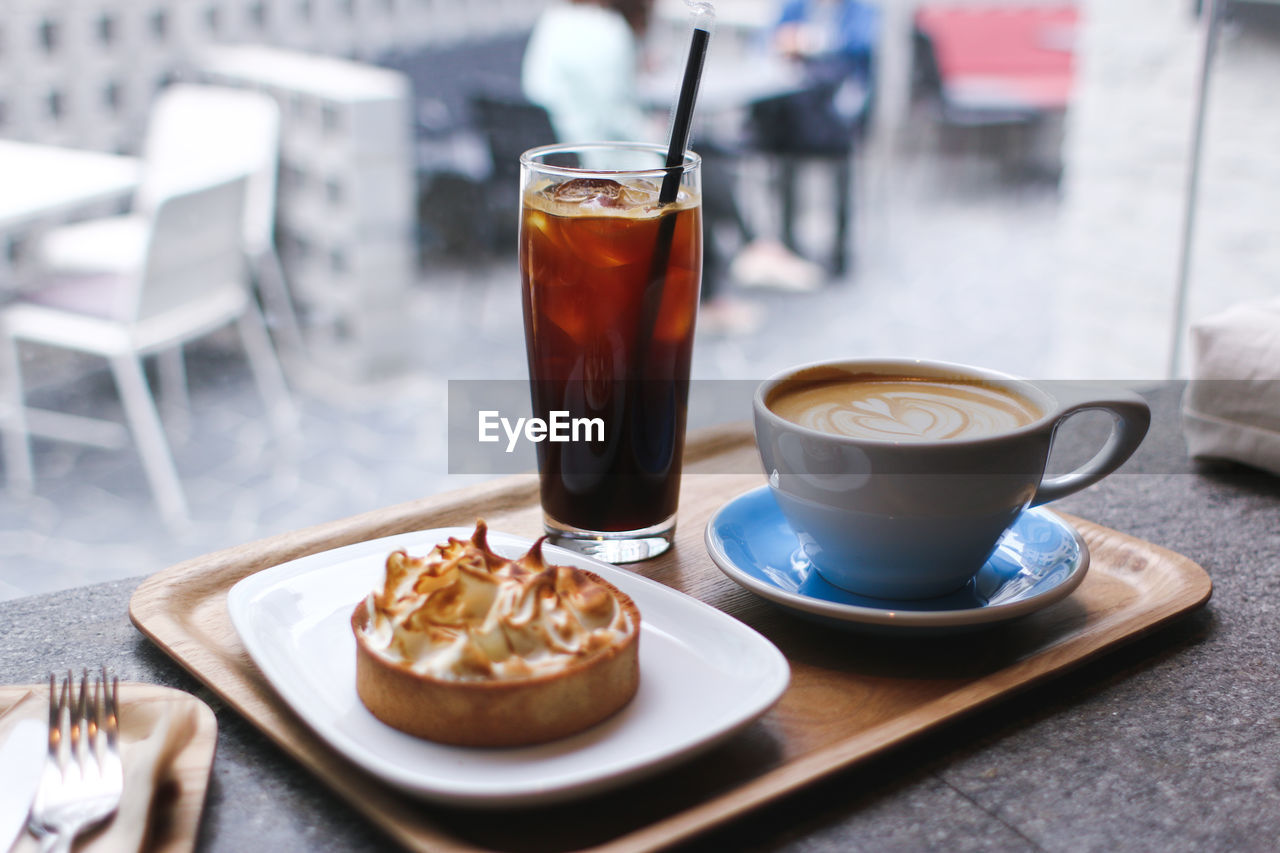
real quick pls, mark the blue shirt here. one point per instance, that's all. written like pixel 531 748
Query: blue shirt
pixel 849 29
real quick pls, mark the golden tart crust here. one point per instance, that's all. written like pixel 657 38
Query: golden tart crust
pixel 472 701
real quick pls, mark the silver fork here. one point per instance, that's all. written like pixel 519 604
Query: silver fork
pixel 83 778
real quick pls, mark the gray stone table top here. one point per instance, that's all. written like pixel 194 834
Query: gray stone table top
pixel 1169 743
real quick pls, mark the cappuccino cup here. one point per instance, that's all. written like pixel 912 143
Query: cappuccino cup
pixel 900 476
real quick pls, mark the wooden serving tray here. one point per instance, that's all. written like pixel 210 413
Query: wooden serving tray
pixel 850 696
pixel 183 782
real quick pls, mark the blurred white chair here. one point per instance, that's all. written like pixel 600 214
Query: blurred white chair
pixel 195 134
pixel 190 283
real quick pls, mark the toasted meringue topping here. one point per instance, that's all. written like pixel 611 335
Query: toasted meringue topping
pixel 462 612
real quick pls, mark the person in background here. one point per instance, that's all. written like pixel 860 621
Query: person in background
pixel 835 42
pixel 836 39
pixel 581 66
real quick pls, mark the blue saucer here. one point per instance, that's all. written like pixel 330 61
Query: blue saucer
pixel 1038 561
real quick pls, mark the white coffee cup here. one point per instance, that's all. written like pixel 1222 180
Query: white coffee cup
pixel 905 491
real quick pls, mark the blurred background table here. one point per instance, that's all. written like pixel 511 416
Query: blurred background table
pixel 44 180
pixel 41 185
pixel 728 83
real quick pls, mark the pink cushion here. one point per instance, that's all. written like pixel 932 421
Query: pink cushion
pixel 1000 40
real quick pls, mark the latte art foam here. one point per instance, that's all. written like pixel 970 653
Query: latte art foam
pixel 903 409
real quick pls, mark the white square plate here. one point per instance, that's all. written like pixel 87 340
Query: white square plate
pixel 703 676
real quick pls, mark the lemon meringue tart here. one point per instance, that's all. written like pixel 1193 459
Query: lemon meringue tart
pixel 465 647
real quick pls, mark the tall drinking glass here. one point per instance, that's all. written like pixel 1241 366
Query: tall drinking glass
pixel 610 284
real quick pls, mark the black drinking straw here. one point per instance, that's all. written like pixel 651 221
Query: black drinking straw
pixel 682 124
pixel 681 128
pixel 642 443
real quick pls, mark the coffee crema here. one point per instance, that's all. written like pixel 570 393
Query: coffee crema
pixel 902 408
